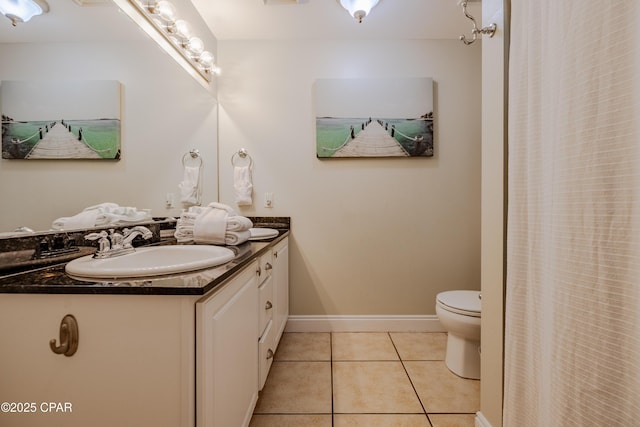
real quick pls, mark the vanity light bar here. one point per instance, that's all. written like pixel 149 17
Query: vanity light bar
pixel 161 15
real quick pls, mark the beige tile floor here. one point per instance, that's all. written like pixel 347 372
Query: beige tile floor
pixel 365 379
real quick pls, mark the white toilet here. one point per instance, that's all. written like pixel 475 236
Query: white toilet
pixel 459 314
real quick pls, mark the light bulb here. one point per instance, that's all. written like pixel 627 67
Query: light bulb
pixel 181 30
pixel 166 11
pixel 195 47
pixel 206 60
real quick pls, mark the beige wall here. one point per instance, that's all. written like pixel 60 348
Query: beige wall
pixel 370 236
pixel 165 113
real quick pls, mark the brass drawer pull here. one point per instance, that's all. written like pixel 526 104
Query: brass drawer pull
pixel 269 354
pixel 268 305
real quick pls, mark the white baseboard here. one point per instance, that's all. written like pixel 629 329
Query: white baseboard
pixel 481 421
pixel 383 323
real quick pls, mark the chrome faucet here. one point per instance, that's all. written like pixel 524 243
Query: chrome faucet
pixel 132 233
pixel 115 244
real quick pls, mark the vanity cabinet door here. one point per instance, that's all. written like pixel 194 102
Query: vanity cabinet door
pixel 281 287
pixel 134 364
pixel 227 352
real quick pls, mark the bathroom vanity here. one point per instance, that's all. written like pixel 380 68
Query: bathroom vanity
pixel 186 350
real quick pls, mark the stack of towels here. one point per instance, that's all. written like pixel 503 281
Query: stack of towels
pixel 102 215
pixel 215 224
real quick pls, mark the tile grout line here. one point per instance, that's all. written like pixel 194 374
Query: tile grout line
pixel 410 381
pixel 331 364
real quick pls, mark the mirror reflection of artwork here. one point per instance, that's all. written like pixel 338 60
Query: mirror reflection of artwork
pixel 374 117
pixel 60 119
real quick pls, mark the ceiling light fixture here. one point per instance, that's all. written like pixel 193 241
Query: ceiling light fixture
pixel 22 10
pixel 358 8
pixel 174 35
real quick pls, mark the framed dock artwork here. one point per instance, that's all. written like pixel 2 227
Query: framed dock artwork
pixel 374 117
pixel 77 119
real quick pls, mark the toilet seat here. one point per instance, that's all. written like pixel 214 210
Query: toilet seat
pixel 466 303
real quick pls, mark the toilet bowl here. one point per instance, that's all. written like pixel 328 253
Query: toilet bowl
pixel 459 314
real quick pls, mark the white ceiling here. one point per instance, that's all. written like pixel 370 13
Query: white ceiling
pixel 67 21
pixel 252 19
pixel 326 19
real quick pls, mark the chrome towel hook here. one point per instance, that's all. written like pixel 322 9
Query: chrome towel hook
pixel 490 30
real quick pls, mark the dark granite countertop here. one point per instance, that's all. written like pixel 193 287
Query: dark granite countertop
pixel 54 280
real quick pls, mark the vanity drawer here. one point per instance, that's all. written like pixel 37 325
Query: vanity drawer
pixel 266 265
pixel 266 353
pixel 265 292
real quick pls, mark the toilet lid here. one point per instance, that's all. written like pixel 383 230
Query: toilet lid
pixel 463 302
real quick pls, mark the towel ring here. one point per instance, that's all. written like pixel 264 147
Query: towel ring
pixel 192 155
pixel 241 154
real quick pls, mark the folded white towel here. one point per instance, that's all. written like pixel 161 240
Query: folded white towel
pixel 210 227
pixel 107 218
pixel 102 215
pixel 85 219
pixel 183 236
pixel 190 185
pixel 242 185
pixel 238 223
pixel 236 237
pixel 102 207
pixel 223 207
pixel 216 223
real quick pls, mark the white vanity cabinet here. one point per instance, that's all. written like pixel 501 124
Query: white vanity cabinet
pixel 133 365
pixel 227 352
pixel 238 329
pixel 281 287
pixel 266 308
pixel 274 304
pixel 145 360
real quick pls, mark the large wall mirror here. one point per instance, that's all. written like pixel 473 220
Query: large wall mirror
pixel 164 112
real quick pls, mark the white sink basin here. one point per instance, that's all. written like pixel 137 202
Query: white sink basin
pixel 151 261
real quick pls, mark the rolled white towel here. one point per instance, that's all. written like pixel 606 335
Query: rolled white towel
pixel 238 223
pixel 236 237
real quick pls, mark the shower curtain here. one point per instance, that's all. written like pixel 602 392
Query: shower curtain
pixel 572 321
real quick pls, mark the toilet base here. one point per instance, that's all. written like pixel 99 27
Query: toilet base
pixel 463 357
